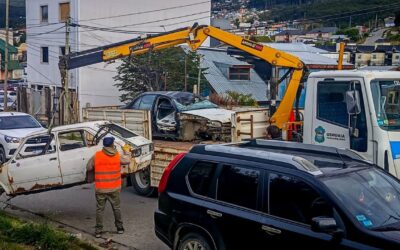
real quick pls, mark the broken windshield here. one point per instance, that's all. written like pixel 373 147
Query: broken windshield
pixel 197 103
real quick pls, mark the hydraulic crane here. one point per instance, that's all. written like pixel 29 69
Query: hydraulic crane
pixel 194 37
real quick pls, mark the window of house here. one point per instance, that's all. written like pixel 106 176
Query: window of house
pixel 45 54
pixel 397 57
pixel 293 199
pixel 200 177
pixel 44 14
pixel 64 12
pixel 71 140
pixel 239 186
pixel 242 73
pixel 359 56
pixel 373 56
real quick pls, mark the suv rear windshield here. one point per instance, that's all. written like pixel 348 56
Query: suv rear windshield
pixel 18 122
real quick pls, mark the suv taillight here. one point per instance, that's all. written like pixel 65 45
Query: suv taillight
pixel 167 172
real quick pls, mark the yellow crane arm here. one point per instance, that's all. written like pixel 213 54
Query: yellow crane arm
pixel 195 37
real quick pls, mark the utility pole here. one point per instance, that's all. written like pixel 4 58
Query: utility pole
pixel 64 77
pixel 376 21
pixel 6 57
pixel 185 72
pixel 199 77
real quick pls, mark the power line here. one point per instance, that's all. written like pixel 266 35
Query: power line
pixel 349 12
pixel 145 12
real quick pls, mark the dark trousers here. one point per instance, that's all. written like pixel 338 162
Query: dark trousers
pixel 114 199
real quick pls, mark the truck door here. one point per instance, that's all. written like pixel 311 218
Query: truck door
pixel 35 165
pixel 332 124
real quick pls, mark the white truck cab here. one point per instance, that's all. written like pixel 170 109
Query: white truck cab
pixel 359 110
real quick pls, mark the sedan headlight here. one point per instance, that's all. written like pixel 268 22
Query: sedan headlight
pixel 10 139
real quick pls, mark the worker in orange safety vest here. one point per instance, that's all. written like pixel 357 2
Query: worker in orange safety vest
pixel 107 178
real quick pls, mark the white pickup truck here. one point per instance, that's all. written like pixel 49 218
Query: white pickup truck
pixel 59 159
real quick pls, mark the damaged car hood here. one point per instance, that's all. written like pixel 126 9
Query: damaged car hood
pixel 214 114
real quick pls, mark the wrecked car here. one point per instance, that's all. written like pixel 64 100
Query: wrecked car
pixel 184 116
pixel 60 158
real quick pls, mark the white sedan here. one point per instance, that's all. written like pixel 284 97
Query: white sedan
pixel 60 158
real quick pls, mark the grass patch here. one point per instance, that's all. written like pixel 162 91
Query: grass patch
pixel 17 234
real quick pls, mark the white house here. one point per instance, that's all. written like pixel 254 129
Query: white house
pixel 119 20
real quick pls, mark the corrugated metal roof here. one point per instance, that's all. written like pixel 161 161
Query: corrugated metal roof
pixel 221 84
pixel 308 54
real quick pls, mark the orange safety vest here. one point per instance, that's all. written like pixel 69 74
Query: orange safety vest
pixel 107 171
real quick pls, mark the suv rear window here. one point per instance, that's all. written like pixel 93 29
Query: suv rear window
pixel 239 186
pixel 200 177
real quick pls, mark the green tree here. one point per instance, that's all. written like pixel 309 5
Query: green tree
pixel 148 72
pixel 352 33
pixel 397 19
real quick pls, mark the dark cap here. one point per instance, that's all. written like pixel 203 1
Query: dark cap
pixel 108 141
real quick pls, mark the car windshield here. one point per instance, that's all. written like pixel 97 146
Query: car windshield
pixel 193 104
pixel 386 96
pixel 371 196
pixel 18 122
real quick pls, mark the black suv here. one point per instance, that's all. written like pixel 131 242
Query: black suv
pixel 268 194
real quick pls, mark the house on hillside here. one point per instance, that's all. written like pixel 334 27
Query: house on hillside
pixel 363 55
pixel 389 22
pixel 289 36
pixel 321 34
pixel 15 70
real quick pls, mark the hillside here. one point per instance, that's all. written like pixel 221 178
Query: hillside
pixel 363 10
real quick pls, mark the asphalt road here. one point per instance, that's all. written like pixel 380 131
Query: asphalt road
pixel 375 36
pixel 75 207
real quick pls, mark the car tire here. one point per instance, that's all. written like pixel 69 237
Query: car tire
pixel 141 183
pixel 2 155
pixel 194 241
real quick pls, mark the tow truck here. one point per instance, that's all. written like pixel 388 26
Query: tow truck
pixel 358 110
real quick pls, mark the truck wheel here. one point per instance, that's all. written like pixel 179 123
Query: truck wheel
pixel 2 155
pixel 141 183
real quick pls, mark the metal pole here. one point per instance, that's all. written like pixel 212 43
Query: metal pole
pixel 341 53
pixel 6 57
pixel 199 77
pixel 185 72
pixel 66 106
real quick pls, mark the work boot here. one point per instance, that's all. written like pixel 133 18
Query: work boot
pixel 120 230
pixel 98 234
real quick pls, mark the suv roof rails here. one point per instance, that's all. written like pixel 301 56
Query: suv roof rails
pixel 287 160
pixel 306 148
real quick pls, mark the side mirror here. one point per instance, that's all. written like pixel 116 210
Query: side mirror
pixel 353 102
pixel 323 225
pixel 327 225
